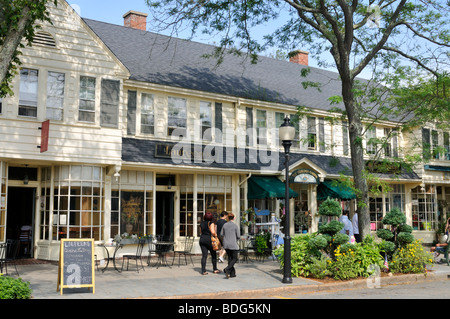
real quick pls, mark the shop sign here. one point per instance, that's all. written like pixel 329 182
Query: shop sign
pixel 304 176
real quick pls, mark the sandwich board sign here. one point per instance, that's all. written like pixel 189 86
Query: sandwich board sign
pixel 76 264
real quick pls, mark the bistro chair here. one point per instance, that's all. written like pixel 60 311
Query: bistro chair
pixel 151 249
pixel 243 250
pixel 185 250
pixel 136 257
pixel 25 240
pixel 9 254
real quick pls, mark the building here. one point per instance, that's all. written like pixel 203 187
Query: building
pixel 114 129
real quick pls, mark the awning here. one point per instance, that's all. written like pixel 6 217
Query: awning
pixel 329 189
pixel 260 187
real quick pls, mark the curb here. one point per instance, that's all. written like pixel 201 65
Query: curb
pixel 351 284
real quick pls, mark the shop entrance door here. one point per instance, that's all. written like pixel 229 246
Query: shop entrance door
pixel 20 210
pixel 165 214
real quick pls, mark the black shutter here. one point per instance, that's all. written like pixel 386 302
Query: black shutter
pixel 131 113
pixel 109 103
pixel 218 121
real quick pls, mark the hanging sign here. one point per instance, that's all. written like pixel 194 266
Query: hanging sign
pixel 45 128
pixel 76 264
pixel 304 176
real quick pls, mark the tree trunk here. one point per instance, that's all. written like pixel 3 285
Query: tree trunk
pixel 357 157
pixel 12 41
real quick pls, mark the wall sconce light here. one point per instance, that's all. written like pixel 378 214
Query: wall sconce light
pixel 117 174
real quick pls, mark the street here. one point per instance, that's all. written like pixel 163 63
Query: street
pixel 420 290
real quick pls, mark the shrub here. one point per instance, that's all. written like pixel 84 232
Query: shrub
pixel 345 265
pixel 411 258
pixel 11 288
pixel 318 268
pixel 302 253
pixel 330 207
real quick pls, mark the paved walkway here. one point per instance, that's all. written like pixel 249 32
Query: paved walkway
pixel 252 281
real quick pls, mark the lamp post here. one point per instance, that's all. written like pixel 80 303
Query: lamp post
pixel 287 134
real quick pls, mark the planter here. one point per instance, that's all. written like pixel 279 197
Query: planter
pixel 129 241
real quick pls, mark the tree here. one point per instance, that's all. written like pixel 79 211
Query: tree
pixel 17 22
pixel 380 35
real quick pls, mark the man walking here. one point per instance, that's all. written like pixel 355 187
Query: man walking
pixel 230 233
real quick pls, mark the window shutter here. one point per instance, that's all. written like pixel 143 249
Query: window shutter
pixel 109 103
pixel 218 121
pixel 131 113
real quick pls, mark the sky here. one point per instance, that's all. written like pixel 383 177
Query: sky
pixel 112 12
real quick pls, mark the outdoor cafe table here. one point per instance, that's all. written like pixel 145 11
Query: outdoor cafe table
pixel 116 247
pixel 162 247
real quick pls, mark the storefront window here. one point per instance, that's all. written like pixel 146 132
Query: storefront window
pixel 77 203
pixel 213 195
pixel 376 212
pixel 132 204
pixel 424 207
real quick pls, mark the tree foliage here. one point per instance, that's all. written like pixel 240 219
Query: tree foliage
pixel 17 23
pixel 399 41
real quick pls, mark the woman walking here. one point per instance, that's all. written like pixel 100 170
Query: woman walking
pixel 208 228
pixel 230 233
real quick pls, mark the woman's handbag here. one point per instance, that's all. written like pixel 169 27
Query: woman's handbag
pixel 215 243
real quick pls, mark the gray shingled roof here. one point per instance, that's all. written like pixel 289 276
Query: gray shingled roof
pixel 160 59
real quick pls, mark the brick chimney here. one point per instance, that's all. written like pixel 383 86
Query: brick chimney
pixel 299 57
pixel 135 20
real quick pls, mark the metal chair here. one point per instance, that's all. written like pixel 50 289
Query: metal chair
pixel 243 250
pixel 186 250
pixel 25 240
pixel 136 257
pixel 8 254
pixel 151 249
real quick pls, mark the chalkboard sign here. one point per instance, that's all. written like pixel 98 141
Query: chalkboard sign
pixel 76 264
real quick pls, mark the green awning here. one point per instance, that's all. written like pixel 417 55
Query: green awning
pixel 333 190
pixel 260 187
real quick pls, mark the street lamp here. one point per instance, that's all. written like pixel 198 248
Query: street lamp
pixel 287 134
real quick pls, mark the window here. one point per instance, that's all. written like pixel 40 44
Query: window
pixel 147 114
pixel 132 204
pixel 87 100
pixel 261 127
pixel 213 195
pixel 177 114
pixel 78 210
pixel 28 93
pixel 206 120
pixel 312 134
pixel 387 143
pixel 371 135
pixel 424 207
pixel 435 144
pixel 55 95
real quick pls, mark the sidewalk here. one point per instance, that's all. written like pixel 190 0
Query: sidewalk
pixel 254 280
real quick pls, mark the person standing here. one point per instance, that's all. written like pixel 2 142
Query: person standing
pixel 208 228
pixel 348 227
pixel 230 233
pixel 220 223
pixel 356 227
